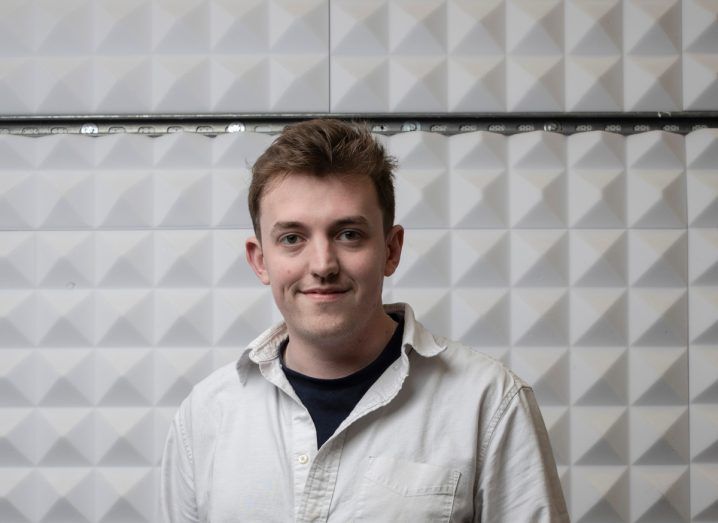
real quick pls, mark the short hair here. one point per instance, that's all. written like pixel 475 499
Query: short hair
pixel 322 148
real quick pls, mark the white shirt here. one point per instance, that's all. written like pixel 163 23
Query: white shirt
pixel 445 434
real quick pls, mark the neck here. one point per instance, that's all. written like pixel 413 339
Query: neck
pixel 336 358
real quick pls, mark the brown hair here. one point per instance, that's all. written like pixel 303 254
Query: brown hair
pixel 325 147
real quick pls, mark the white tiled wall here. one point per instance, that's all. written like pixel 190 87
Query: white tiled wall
pixel 199 56
pixel 589 263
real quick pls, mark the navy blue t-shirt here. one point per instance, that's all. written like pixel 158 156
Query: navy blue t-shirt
pixel 329 401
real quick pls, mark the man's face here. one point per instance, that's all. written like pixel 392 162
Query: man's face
pixel 325 255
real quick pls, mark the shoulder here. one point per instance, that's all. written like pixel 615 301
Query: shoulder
pixel 204 403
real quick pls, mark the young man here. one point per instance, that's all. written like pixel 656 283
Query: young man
pixel 350 410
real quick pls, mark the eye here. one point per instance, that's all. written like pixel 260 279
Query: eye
pixel 290 239
pixel 349 235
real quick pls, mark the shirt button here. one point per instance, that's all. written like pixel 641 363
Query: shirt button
pixel 303 459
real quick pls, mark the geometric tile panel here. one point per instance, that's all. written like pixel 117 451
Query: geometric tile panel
pixel 588 263
pixel 358 56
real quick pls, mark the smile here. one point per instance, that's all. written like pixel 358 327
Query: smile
pixel 324 295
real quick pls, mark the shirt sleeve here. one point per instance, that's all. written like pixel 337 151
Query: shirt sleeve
pixel 518 480
pixel 177 492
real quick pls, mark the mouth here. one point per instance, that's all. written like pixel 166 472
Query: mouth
pixel 324 293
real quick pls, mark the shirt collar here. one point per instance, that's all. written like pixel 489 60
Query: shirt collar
pixel 265 347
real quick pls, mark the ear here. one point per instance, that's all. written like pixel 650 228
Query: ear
pixel 394 243
pixel 255 258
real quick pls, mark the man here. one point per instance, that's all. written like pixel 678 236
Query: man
pixel 350 410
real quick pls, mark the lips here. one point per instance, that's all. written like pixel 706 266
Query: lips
pixel 324 293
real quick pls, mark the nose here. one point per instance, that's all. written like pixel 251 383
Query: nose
pixel 323 263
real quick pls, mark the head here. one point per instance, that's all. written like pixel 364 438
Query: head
pixel 324 148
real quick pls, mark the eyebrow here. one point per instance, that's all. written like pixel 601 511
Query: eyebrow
pixel 342 222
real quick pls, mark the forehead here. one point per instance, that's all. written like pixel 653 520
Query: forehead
pixel 300 197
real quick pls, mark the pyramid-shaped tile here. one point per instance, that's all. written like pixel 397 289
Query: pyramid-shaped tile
pixel 702 198
pixel 658 258
pixel 704 497
pixel 124 259
pixel 18 200
pixel 123 28
pixel 598 317
pixel 600 494
pixel 599 376
pixel 17 437
pixel 15 39
pixel 703 375
pixel 595 151
pixel 63 29
pixel 66 152
pixel 659 435
pixel 419 150
pixel 417 27
pixel 594 28
pixel 176 371
pixel 229 197
pixel 418 84
pixel 183 317
pixel 701 93
pixel 703 323
pixel 180 81
pixel 62 318
pixel 598 258
pixel 652 83
pixel 125 377
pixel 18 386
pixel 121 86
pixel 704 434
pixel 235 152
pixel 476 27
pixel 65 199
pixel 230 265
pixel 65 437
pixel 594 83
pixel 534 27
pixel 425 198
pixel 535 83
pixel 597 198
pixel 123 318
pixel 18 318
pixel 424 260
pixel 18 494
pixel 125 494
pixel 479 258
pixel 480 318
pixel 360 83
pixel 656 199
pixel 477 84
pixel 17 260
pixel 539 258
pixel 123 199
pixel 700 29
pixel 655 27
pixel 599 436
pixel 657 317
pixel 539 317
pixel 68 494
pixel 61 85
pixel 558 426
pixel 239 27
pixel 65 377
pixel 660 493
pixel 182 199
pixel 181 154
pixel 180 27
pixel 479 150
pixel 17 78
pixel 299 83
pixel 239 313
pixel 239 83
pixel 432 306
pixel 65 259
pixel 298 27
pixel 359 28
pixel 655 151
pixel 121 154
pixel 546 369
pixel 183 258
pixel 658 376
pixel 122 436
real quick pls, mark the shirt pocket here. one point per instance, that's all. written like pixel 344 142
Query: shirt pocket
pixel 397 490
